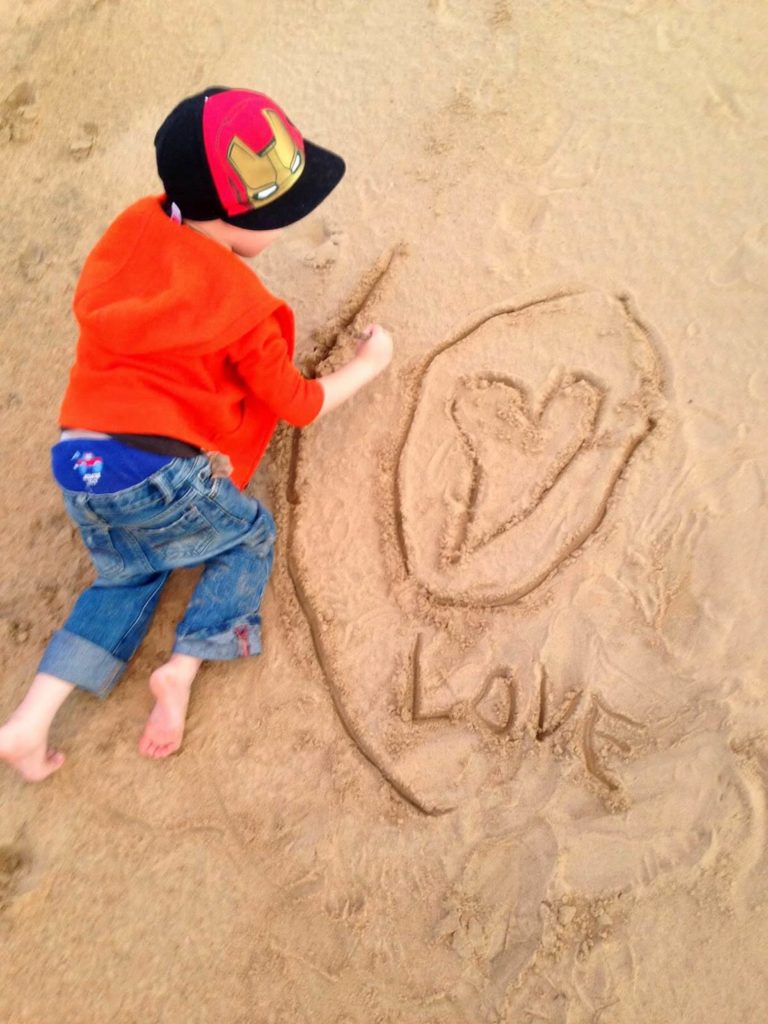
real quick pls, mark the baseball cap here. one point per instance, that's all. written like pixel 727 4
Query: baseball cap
pixel 236 155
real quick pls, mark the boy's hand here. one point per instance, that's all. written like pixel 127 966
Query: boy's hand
pixel 374 354
pixel 375 347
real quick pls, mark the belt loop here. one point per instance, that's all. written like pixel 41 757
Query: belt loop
pixel 166 488
pixel 83 504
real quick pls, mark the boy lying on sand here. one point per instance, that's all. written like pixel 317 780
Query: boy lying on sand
pixel 183 368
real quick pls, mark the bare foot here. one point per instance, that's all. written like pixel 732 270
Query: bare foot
pixel 170 685
pixel 24 737
pixel 24 750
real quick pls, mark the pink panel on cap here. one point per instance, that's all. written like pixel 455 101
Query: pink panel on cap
pixel 240 113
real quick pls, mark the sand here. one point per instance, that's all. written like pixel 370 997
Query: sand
pixel 505 755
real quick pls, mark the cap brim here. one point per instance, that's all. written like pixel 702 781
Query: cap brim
pixel 323 170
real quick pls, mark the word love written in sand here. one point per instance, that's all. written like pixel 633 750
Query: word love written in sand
pixel 515 434
pixel 582 722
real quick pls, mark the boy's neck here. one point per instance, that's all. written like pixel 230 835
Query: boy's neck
pixel 241 241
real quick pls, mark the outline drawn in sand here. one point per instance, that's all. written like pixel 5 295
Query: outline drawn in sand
pixel 522 420
pixel 574 382
pixel 603 461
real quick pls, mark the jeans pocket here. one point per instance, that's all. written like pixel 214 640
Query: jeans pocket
pixel 104 555
pixel 261 536
pixel 231 506
pixel 186 540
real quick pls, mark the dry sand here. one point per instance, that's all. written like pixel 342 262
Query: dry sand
pixel 505 757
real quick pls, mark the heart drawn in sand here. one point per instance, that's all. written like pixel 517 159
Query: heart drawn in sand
pixel 530 444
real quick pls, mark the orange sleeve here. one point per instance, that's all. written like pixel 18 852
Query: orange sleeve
pixel 263 363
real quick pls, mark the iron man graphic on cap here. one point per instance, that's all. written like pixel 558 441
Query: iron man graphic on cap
pixel 255 152
pixel 272 169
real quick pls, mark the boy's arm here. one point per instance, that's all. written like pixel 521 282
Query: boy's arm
pixel 374 354
pixel 264 364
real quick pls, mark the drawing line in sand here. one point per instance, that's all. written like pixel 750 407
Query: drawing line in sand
pixel 327 338
pixel 325 342
pixel 497 703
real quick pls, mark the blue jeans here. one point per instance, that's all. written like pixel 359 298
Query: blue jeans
pixel 178 516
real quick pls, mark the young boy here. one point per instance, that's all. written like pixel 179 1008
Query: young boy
pixel 183 368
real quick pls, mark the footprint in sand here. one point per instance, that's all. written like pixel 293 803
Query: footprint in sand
pixel 493 912
pixel 14 861
pixel 19 113
pixel 515 434
pixel 747 263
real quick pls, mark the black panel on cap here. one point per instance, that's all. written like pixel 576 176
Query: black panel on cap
pixel 181 159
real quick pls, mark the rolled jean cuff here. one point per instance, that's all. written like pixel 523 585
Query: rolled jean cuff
pixel 79 661
pixel 240 641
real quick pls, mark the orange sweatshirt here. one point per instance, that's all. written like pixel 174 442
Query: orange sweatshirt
pixel 179 337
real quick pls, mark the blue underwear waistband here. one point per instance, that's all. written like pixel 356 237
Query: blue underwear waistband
pixel 102 466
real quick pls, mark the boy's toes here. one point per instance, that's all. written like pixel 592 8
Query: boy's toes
pixel 164 749
pixel 34 762
pixel 155 747
pixel 146 747
pixel 35 769
pixel 53 762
